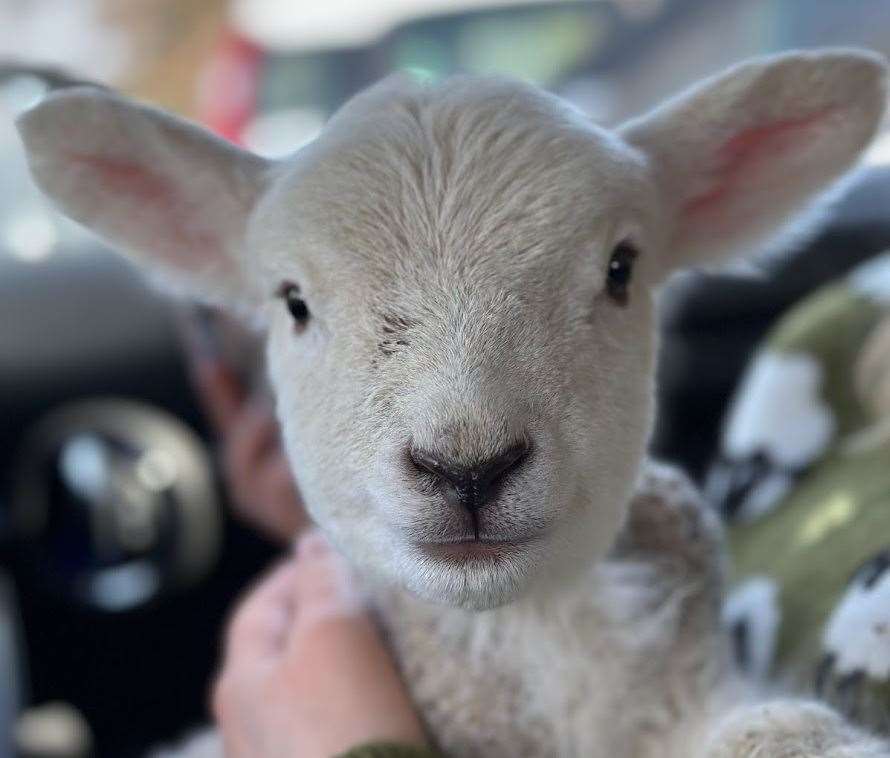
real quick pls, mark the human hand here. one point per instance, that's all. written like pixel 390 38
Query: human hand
pixel 305 672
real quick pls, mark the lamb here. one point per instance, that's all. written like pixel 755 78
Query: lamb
pixel 456 282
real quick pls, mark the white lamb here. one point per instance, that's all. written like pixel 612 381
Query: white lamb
pixel 457 281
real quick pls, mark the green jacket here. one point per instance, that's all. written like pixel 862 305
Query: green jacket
pixel 804 483
pixel 390 750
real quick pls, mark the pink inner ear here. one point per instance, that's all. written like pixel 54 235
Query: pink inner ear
pixel 179 240
pixel 748 152
pixel 126 178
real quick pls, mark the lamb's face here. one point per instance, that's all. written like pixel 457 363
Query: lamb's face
pixel 463 385
pixel 468 398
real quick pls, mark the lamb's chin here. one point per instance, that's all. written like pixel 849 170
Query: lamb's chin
pixel 468 577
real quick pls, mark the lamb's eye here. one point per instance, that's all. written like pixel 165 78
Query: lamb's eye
pixel 296 305
pixel 620 271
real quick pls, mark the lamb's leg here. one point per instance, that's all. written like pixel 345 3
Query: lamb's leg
pixel 790 728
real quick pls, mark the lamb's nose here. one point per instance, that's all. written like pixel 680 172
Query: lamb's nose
pixel 471 487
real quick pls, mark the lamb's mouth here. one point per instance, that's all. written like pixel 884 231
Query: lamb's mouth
pixel 464 550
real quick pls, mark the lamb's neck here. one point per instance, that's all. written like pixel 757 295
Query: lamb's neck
pixel 535 657
pixel 544 606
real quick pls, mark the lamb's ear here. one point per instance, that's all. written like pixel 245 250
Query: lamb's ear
pixel 154 186
pixel 737 157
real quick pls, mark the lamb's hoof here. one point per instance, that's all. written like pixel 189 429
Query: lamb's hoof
pixel 791 729
pixel 668 521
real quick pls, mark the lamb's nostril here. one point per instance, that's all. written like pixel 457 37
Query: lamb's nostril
pixel 471 487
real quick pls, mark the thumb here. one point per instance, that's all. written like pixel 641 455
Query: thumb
pixel 260 626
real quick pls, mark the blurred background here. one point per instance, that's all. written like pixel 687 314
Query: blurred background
pixel 119 551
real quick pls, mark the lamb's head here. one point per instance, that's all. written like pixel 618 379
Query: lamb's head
pixel 457 281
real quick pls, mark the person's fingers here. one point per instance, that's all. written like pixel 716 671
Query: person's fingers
pixel 221 392
pixel 312 547
pixel 260 625
pixel 323 586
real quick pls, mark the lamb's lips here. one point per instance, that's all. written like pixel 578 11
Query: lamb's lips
pixel 472 549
